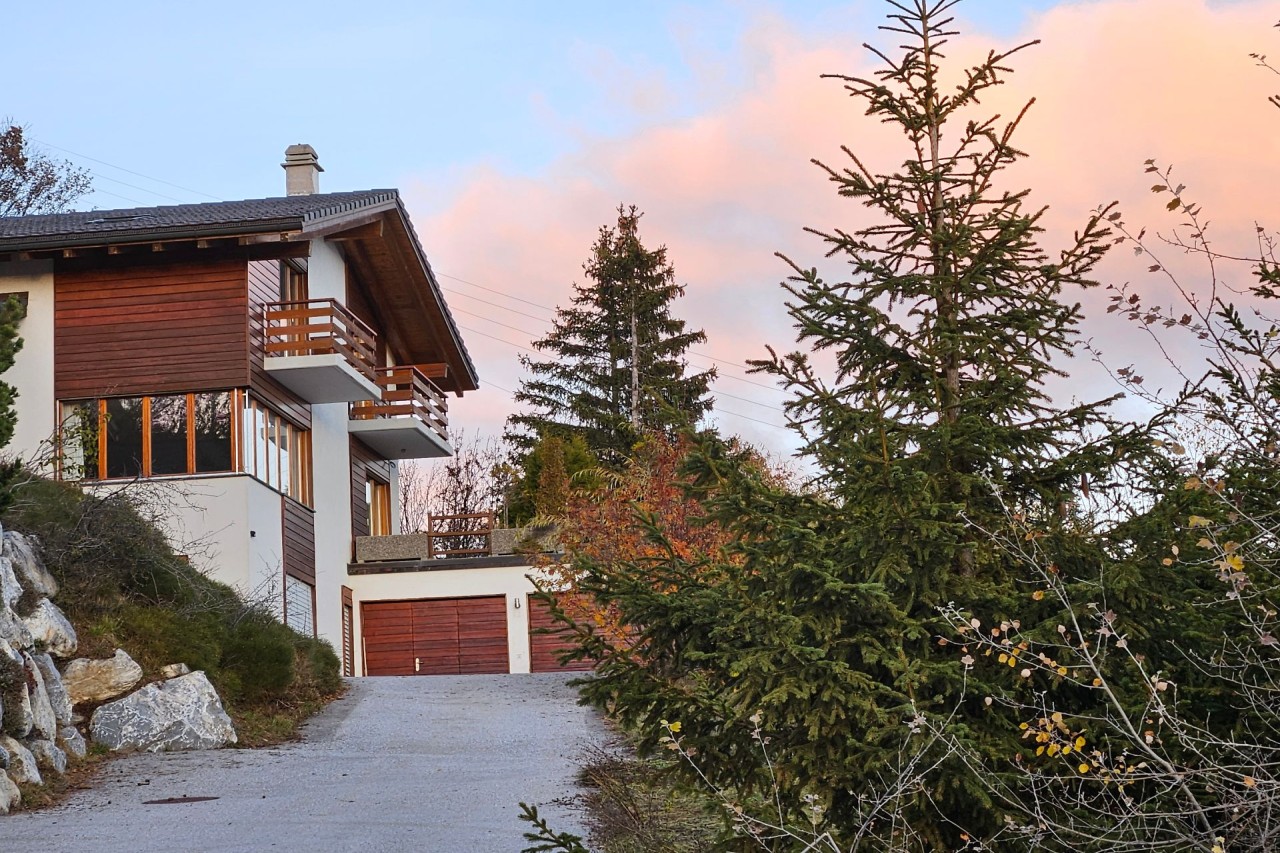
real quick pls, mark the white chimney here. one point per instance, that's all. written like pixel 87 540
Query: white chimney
pixel 301 170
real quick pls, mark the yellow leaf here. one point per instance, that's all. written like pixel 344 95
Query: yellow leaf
pixel 1249 781
pixel 1037 595
pixel 1062 670
pixel 1166 562
pixel 1084 767
pixel 1198 521
pixel 1080 743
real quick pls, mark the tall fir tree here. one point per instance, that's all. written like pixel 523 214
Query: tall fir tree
pixel 616 368
pixel 823 620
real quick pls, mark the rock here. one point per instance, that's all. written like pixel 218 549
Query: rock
pixel 181 713
pixel 44 721
pixel 13 685
pixel 10 589
pixel 10 796
pixel 71 741
pixel 48 756
pixel 53 686
pixel 27 565
pixel 13 630
pixel 95 680
pixel 22 764
pixel 51 629
pixel 173 670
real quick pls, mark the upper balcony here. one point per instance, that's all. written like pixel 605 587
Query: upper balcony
pixel 409 421
pixel 320 351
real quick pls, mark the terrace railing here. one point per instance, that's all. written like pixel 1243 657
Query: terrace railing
pixel 320 327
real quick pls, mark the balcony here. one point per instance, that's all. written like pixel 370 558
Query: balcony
pixel 320 351
pixel 409 421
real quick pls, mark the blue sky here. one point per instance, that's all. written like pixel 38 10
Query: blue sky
pixel 206 96
pixel 515 129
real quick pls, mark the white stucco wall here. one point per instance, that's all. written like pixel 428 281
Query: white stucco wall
pixel 511 581
pixel 326 272
pixel 229 526
pixel 32 372
pixel 331 467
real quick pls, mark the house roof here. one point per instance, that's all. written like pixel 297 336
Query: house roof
pixel 219 218
pixel 286 219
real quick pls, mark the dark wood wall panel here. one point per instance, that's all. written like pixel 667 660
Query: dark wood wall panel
pixel 364 462
pixel 264 287
pixel 299 541
pixel 150 329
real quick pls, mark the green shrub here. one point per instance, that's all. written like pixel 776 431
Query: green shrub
pixel 260 651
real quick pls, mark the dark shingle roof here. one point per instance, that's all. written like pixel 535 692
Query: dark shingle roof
pixel 18 233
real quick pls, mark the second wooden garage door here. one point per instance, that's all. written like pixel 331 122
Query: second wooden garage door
pixel 435 636
pixel 545 648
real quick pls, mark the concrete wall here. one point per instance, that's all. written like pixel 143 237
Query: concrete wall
pixel 513 582
pixel 32 372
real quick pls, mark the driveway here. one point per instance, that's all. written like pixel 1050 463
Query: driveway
pixel 430 763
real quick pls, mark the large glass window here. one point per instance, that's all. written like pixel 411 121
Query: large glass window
pixel 124 437
pixel 122 444
pixel 279 453
pixel 169 435
pixel 213 428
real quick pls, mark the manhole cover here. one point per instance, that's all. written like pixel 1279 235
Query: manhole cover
pixel 169 801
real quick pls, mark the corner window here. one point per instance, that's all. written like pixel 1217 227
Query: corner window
pixel 127 437
pixel 276 452
pixel 377 496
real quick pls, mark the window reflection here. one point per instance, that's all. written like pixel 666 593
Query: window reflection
pixel 123 442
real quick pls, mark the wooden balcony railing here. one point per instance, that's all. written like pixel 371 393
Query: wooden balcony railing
pixel 407 393
pixel 459 535
pixel 320 327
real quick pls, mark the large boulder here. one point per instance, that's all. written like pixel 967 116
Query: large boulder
pixel 44 721
pixel 48 756
pixel 28 566
pixel 10 796
pixel 54 688
pixel 72 742
pixel 51 629
pixel 22 764
pixel 10 589
pixel 181 713
pixel 13 630
pixel 97 680
pixel 17 717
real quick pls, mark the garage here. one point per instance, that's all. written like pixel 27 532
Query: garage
pixel 435 636
pixel 545 648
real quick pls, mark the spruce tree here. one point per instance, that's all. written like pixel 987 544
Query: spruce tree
pixel 823 621
pixel 616 364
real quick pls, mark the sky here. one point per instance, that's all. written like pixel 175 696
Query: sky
pixel 515 129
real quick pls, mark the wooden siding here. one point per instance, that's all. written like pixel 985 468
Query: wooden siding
pixel 364 462
pixel 545 648
pixel 264 288
pixel 436 636
pixel 150 329
pixel 299 541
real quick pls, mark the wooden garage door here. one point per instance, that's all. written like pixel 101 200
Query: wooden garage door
pixel 544 649
pixel 435 636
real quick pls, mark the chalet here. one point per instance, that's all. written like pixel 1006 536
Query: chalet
pixel 264 367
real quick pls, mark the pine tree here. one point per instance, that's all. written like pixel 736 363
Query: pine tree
pixel 616 368
pixel 948 321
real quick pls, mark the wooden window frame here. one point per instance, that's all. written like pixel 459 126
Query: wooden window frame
pixel 300 487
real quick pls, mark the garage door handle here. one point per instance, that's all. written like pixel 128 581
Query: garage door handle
pixel 417 664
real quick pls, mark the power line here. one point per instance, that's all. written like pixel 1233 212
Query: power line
pixel 123 169
pixel 496 338
pixel 499 292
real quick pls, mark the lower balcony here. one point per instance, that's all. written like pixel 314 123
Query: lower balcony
pixel 409 421
pixel 320 351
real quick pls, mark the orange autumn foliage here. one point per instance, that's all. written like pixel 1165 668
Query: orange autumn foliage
pixel 603 525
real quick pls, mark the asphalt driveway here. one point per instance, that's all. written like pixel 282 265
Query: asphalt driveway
pixel 432 763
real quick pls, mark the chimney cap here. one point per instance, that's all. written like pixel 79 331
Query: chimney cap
pixel 301 154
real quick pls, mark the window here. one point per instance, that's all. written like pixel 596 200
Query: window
pixel 276 452
pixel 293 283
pixel 377 496
pixel 125 437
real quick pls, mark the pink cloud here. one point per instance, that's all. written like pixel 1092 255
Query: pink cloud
pixel 1115 82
